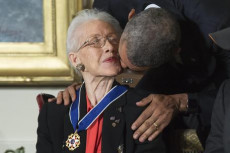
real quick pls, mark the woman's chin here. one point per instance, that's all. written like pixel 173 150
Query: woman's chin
pixel 111 73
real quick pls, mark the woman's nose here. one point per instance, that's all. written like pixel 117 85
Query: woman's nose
pixel 109 47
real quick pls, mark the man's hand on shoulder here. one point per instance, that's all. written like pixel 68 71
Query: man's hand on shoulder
pixel 66 95
pixel 158 114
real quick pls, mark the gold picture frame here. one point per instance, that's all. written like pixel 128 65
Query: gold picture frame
pixel 41 63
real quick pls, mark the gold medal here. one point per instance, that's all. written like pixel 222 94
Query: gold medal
pixel 73 141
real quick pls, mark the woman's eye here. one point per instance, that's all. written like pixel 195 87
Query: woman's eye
pixel 113 40
pixel 95 40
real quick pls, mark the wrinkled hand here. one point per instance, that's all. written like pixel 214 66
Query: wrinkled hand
pixel 65 95
pixel 157 115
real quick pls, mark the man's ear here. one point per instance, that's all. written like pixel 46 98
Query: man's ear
pixel 73 58
pixel 131 14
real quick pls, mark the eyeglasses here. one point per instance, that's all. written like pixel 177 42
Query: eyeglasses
pixel 99 41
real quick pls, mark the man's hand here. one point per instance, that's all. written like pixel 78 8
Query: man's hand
pixel 157 115
pixel 69 92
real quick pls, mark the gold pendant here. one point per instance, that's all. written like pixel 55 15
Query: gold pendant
pixel 73 141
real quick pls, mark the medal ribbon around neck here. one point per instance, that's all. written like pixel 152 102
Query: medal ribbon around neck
pixel 96 111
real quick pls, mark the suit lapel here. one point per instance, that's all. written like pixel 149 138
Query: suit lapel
pixel 113 126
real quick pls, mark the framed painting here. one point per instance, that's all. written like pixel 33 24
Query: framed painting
pixel 32 41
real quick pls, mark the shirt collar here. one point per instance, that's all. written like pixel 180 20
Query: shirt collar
pixel 152 6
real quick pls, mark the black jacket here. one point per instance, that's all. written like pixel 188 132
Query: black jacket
pixel 219 138
pixel 204 66
pixel 54 127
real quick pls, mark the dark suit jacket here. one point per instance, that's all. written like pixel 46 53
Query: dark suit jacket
pixel 219 138
pixel 204 66
pixel 54 127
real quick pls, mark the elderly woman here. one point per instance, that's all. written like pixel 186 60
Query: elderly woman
pixel 101 117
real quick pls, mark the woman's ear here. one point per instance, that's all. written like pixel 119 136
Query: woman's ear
pixel 73 58
pixel 131 14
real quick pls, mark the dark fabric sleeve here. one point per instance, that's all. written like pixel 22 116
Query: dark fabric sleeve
pixel 223 58
pixel 50 132
pixel 43 138
pixel 226 135
pixel 131 114
pixel 203 101
pixel 111 7
pixel 102 5
pixel 207 16
pixel 214 142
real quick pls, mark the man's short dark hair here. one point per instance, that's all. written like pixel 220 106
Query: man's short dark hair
pixel 152 36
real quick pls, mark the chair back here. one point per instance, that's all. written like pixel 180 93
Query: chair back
pixel 43 98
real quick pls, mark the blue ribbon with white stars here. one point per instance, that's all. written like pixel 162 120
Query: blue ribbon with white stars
pixel 96 111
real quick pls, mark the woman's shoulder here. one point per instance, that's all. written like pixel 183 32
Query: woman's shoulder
pixel 136 94
pixel 53 109
pixel 132 97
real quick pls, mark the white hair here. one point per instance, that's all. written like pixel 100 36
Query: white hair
pixel 84 16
